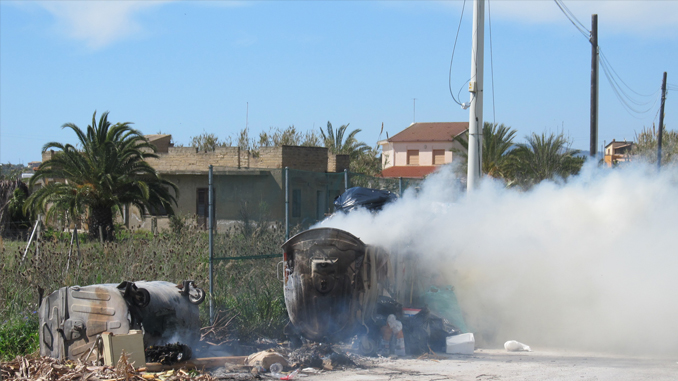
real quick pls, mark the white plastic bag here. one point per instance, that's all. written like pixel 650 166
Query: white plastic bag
pixel 514 346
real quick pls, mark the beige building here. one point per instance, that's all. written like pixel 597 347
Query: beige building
pixel 249 183
pixel 419 149
pixel 618 152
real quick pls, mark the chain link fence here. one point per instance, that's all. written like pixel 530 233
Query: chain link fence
pixel 249 214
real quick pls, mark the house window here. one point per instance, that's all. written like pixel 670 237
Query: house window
pixel 438 156
pixel 296 203
pixel 413 157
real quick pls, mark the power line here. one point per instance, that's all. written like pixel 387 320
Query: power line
pixel 573 19
pixel 612 76
pixel 607 61
pixel 449 81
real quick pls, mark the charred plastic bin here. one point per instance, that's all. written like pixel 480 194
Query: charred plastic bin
pixel 321 282
pixel 71 318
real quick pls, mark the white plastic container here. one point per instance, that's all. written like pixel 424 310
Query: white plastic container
pixel 463 344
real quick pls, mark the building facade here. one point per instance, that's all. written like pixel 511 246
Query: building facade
pixel 420 149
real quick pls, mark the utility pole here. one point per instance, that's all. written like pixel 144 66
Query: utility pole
pixel 593 147
pixel 661 124
pixel 475 87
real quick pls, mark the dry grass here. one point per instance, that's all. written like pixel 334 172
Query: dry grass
pixel 246 289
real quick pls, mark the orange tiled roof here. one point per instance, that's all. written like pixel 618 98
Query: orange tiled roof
pixel 430 132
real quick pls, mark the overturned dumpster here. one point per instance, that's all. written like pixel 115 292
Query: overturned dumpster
pixel 72 318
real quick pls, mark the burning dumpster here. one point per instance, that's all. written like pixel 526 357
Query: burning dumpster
pixel 332 281
pixel 321 271
pixel 71 318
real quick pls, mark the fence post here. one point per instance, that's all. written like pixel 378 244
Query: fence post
pixel 400 187
pixel 345 180
pixel 287 203
pixel 210 222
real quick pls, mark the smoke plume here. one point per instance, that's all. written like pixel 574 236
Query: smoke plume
pixel 589 264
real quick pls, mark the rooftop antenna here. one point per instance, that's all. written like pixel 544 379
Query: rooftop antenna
pixel 247 116
pixel 414 110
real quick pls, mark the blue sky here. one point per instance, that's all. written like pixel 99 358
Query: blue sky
pixel 187 67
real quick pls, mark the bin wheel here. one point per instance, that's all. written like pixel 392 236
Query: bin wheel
pixel 196 295
pixel 367 346
pixel 141 297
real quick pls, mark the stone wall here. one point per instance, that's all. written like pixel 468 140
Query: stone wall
pixel 189 160
pixel 305 158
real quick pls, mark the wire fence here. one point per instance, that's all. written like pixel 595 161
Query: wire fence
pixel 265 206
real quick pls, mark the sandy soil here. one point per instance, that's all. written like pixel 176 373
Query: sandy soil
pixel 495 364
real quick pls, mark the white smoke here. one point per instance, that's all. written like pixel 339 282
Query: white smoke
pixel 590 264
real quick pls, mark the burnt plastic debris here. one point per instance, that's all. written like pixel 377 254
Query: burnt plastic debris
pixel 168 354
pixel 426 330
pixel 359 197
pixel 387 306
pixel 72 317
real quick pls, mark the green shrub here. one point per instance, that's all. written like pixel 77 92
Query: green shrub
pixel 19 336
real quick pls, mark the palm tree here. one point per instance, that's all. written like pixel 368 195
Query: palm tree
pixel 545 158
pixel 337 145
pixel 497 149
pixel 107 169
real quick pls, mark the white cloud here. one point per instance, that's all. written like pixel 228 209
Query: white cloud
pixel 646 17
pixel 98 23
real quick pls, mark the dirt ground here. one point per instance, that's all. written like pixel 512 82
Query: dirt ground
pixel 495 364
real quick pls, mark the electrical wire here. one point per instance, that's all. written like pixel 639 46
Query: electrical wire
pixel 612 76
pixel 619 93
pixel 449 81
pixel 489 16
pixel 607 61
pixel 573 19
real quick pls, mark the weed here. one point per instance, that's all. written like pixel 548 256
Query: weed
pixel 248 288
pixel 18 336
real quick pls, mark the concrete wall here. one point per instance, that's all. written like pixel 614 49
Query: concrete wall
pixel 259 192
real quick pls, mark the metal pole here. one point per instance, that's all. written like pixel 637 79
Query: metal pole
pixel 400 187
pixel 661 124
pixel 287 203
pixel 345 180
pixel 210 224
pixel 593 146
pixel 475 87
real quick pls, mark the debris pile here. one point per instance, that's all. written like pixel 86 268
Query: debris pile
pixel 318 355
pixel 168 354
pixel 50 369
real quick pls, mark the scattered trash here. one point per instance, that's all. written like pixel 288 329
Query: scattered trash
pixel 311 370
pixel 47 368
pixel 266 359
pixel 514 346
pixel 316 355
pixel 275 369
pixel 168 354
pixel 290 376
pixel 461 344
pixel 393 331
